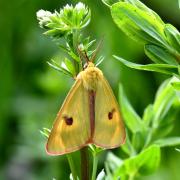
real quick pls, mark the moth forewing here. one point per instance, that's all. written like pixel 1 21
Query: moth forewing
pixel 109 129
pixel 71 129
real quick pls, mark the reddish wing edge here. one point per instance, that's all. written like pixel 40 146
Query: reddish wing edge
pixel 65 152
pixel 112 147
pixel 84 145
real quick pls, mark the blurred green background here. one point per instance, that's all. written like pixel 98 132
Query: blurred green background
pixel 31 92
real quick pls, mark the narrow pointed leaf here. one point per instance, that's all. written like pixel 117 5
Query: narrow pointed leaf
pixel 99 60
pixel 162 68
pixel 164 99
pixel 127 147
pixel 159 54
pixel 173 36
pixel 170 141
pixel 109 2
pixel 101 175
pixel 55 66
pixel 70 66
pixel 148 115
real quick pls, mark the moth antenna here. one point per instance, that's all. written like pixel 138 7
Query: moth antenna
pixel 83 56
pixel 97 50
pixel 86 56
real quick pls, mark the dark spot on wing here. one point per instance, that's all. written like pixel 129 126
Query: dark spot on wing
pixel 110 114
pixel 68 120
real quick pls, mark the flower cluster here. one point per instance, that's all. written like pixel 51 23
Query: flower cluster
pixel 69 18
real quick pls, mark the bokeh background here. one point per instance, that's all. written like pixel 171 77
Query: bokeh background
pixel 31 92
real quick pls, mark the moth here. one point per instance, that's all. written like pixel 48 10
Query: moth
pixel 89 115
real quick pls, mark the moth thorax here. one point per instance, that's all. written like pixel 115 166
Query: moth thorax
pixel 90 77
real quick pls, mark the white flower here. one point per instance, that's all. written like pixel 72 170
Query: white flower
pixel 41 14
pixel 68 6
pixel 43 17
pixel 80 6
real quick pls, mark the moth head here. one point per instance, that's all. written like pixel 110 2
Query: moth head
pixel 91 76
pixel 90 64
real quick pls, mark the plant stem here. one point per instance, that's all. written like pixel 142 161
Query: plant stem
pixel 95 164
pixel 72 167
pixel 84 163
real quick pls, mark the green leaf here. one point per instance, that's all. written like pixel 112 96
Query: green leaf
pixel 99 60
pixel 57 33
pixel 143 7
pixel 94 149
pixel 166 121
pixel 176 85
pixel 45 132
pixel 170 141
pixel 127 147
pixel 138 141
pixel 113 161
pixel 70 66
pixel 57 67
pixel 87 43
pixel 173 36
pixel 144 163
pixel 148 115
pixel 101 175
pixel 159 54
pixel 138 24
pixel 109 2
pixel 108 172
pixel 131 118
pixel 74 56
pixel 162 68
pixel 73 174
pixel 165 96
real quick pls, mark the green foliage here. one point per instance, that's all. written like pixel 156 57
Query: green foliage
pixel 161 41
pixel 32 92
pixel 144 163
pixel 146 135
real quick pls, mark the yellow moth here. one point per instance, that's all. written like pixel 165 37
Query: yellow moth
pixel 89 115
